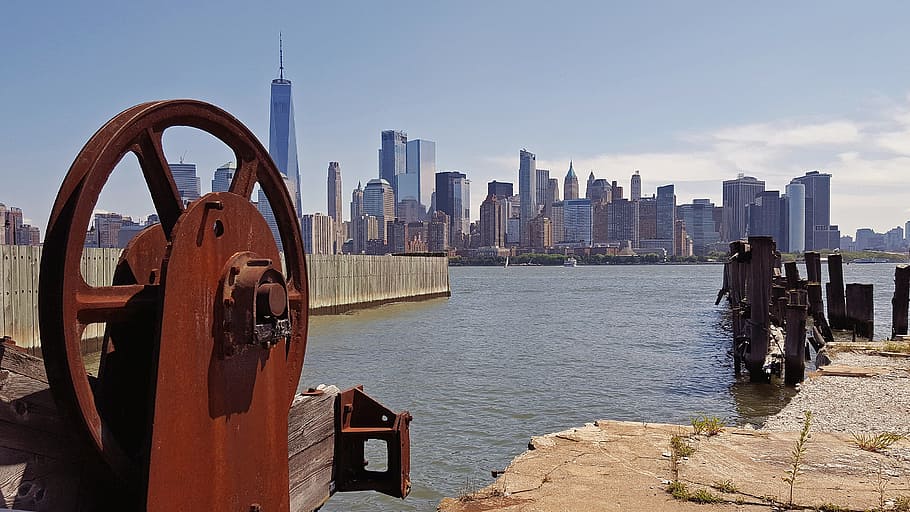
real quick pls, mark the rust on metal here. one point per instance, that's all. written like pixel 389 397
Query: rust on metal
pixel 363 419
pixel 172 404
pixel 205 334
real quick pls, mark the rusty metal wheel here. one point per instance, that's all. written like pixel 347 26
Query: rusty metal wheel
pixel 150 285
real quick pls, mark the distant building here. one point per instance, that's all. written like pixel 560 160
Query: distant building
pixel 334 202
pixel 590 182
pixel 543 183
pixel 764 215
pixel 393 159
pixel 615 191
pixel 796 217
pixel 666 213
pixel 647 218
pixel 318 232
pixel 636 187
pixel 438 232
pixel 366 229
pixel 600 222
pixel 186 180
pixel 578 222
pixel 527 189
pixel 700 225
pixel 224 175
pixel 491 225
pixel 818 210
pixel 552 192
pixel 682 244
pixel 557 222
pixel 541 237
pixel 421 162
pixel 738 194
pixel 599 191
pixel 453 197
pixel 499 189
pixel 570 185
pixel 379 201
pixel 619 213
pixel 283 140
pixel 410 210
pixel 106 230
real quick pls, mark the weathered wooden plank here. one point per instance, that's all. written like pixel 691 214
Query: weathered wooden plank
pixel 900 301
pixel 311 449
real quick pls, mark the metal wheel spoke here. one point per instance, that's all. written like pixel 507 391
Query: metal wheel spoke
pixel 114 303
pixel 159 179
pixel 245 178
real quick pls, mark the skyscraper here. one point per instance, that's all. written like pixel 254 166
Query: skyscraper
pixel 527 189
pixel 393 158
pixel 453 197
pixel 499 189
pixel 491 233
pixel 796 217
pixel 318 233
pixel 738 194
pixel 636 187
pixel 221 182
pixel 282 144
pixel 764 215
pixel 588 189
pixel 700 225
pixel 543 181
pixel 421 162
pixel 577 221
pixel 666 212
pixel 570 185
pixel 282 135
pixel 379 201
pixel 356 223
pixel 333 195
pixel 818 209
pixel 186 180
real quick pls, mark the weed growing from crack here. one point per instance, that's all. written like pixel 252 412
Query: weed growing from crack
pixel 796 456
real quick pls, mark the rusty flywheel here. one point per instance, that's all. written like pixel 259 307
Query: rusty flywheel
pixel 205 335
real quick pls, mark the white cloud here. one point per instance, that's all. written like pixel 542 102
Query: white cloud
pixel 792 134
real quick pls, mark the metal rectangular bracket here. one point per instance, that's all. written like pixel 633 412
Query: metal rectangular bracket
pixel 362 418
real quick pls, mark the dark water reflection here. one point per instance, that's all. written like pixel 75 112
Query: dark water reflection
pixel 528 350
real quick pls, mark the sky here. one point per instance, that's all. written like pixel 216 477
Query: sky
pixel 689 93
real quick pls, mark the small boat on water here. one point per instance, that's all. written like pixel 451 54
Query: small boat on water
pixel 570 262
pixel 507 263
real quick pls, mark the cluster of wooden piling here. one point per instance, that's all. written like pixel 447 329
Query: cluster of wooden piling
pixel 770 310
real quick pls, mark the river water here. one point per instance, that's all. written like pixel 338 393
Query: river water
pixel 523 351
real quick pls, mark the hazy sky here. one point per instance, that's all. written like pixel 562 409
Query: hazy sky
pixel 689 93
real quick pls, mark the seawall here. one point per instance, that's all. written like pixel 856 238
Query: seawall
pixel 337 283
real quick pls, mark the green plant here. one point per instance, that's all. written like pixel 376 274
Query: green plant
pixel 893 346
pixel 725 486
pixel 704 496
pixel 678 490
pixel 796 456
pixel 830 507
pixel 901 504
pixel 710 426
pixel 680 446
pixel 876 442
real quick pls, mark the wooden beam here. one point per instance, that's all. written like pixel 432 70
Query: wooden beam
pixel 43 466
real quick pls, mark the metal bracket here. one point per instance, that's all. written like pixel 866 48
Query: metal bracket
pixel 362 418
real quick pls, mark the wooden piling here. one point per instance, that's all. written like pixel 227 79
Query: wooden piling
pixel 900 301
pixel 795 342
pixel 792 273
pixel 837 306
pixel 860 309
pixel 762 248
pixel 813 267
pixel 817 310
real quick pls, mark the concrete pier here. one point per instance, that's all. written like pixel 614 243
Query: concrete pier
pixel 337 283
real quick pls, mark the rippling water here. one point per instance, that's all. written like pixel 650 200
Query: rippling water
pixel 525 351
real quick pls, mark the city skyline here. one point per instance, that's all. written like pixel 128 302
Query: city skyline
pixel 689 114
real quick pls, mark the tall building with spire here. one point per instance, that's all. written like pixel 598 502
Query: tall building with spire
pixel 333 195
pixel 570 188
pixel 282 142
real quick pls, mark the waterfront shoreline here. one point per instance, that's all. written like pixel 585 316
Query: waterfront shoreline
pixel 612 465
